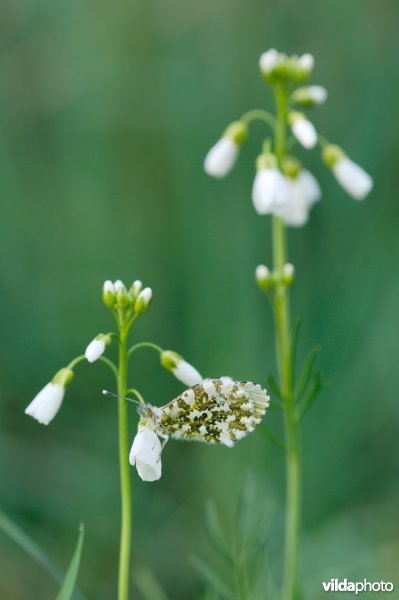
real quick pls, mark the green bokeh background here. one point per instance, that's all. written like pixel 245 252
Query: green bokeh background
pixel 106 113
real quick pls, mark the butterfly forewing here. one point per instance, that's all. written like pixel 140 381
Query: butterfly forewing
pixel 216 411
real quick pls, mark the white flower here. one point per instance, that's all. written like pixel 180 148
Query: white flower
pixel 145 453
pixel 143 300
pixel 269 190
pixel 303 130
pixel 268 61
pixel 95 349
pixel 186 373
pixel 221 158
pixel 352 177
pixel 46 403
pixel 306 63
pixel 304 191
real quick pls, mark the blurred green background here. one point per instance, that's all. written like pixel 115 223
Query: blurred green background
pixel 106 113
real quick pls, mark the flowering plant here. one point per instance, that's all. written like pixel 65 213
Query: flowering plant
pixel 286 190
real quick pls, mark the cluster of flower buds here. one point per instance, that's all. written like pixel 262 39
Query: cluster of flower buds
pixel 116 295
pixel 267 279
pixel 276 66
pixel 280 189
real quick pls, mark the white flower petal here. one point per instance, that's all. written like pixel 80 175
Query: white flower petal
pixel 186 373
pixel 306 62
pixel 46 403
pixel 317 93
pixel 353 178
pixel 303 192
pixel 95 349
pixel 119 285
pixel 221 158
pixel 305 133
pixel 269 190
pixel 145 453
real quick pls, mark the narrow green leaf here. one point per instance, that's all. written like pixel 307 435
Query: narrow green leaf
pixel 18 536
pixel 267 433
pixel 212 579
pixel 68 585
pixel 148 585
pixel 306 373
pixel 275 391
pixel 314 391
pixel 215 533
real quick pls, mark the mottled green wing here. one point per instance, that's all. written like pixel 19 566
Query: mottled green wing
pixel 216 411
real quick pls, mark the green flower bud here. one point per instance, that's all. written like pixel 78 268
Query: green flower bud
pixel 264 278
pixel 290 167
pixel 63 377
pixel 170 359
pixel 122 297
pixel 109 295
pixel 143 301
pixel 288 273
pixel 332 154
pixel 237 131
pixel 134 291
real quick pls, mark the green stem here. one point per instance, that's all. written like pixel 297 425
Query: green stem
pixel 258 114
pixel 144 345
pixel 124 555
pixel 285 368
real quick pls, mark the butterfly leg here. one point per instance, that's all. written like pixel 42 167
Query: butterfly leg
pixel 162 447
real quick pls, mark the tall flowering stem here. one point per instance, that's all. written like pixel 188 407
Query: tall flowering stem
pixel 284 189
pixel 126 505
pixel 282 318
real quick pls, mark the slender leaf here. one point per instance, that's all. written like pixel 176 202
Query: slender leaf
pixel 148 585
pixel 212 579
pixel 314 391
pixel 267 433
pixel 69 583
pixel 306 373
pixel 215 533
pixel 33 550
pixel 275 390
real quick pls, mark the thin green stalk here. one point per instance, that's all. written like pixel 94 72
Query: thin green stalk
pixel 124 555
pixel 285 368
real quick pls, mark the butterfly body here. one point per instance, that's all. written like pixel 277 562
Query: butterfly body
pixel 216 411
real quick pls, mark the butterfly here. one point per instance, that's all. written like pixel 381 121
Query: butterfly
pixel 215 411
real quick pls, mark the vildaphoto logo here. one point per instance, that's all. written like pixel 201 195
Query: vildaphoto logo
pixel 344 585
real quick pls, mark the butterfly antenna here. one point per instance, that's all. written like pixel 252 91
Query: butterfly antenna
pixel 107 393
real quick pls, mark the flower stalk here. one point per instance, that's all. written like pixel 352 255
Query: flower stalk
pixel 126 506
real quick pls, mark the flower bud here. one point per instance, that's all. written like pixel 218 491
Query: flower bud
pixel 304 66
pixel 122 297
pixel 355 180
pixel 109 295
pixel 143 301
pixel 310 96
pixel 288 273
pixel 263 277
pixel 222 157
pixel 97 347
pixel 180 368
pixel 303 130
pixel 134 291
pixel 119 285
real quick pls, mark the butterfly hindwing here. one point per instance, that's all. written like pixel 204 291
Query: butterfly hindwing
pixel 216 411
